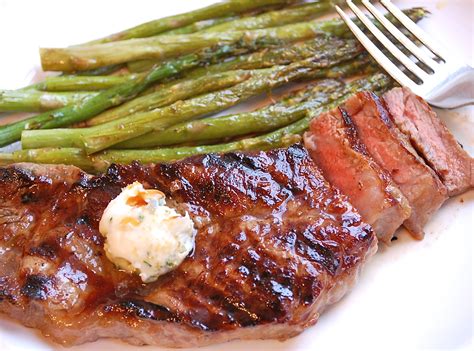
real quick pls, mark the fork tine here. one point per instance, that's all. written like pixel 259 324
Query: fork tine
pixel 414 29
pixel 378 55
pixel 402 38
pixel 399 55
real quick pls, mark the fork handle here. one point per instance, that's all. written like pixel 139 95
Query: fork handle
pixel 457 91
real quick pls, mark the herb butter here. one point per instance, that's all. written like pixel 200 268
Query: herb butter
pixel 143 235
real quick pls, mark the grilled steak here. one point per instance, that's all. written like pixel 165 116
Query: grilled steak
pixel 335 147
pixel 275 245
pixel 433 141
pixel 390 149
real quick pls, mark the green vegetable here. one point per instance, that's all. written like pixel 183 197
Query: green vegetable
pixel 85 83
pixel 274 18
pixel 299 70
pixel 262 120
pixel 221 9
pixel 112 97
pixel 166 46
pixel 279 138
pixel 105 135
pixel 172 92
pixel 33 101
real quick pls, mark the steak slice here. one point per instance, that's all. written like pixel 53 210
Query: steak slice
pixel 389 148
pixel 275 245
pixel 345 163
pixel 431 139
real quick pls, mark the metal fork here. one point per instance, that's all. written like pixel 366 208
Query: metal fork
pixel 450 83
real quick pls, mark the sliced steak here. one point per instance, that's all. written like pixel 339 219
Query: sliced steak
pixel 275 245
pixel 431 139
pixel 340 154
pixel 390 149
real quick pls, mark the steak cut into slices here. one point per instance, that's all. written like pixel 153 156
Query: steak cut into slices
pixel 342 157
pixel 275 245
pixel 431 139
pixel 393 152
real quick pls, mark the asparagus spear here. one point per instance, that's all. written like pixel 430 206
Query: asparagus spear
pixel 265 20
pixel 91 107
pixel 199 26
pixel 102 136
pixel 163 47
pixel 33 100
pixel 278 138
pixel 221 9
pixel 111 97
pixel 269 118
pixel 166 46
pixel 276 115
pixel 84 83
pixel 347 69
pixel 328 49
pixel 274 18
pixel 170 93
pixel 325 53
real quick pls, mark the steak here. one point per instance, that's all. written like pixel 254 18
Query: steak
pixel 393 152
pixel 342 157
pixel 276 243
pixel 431 139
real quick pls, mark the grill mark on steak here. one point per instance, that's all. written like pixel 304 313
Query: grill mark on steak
pixel 275 244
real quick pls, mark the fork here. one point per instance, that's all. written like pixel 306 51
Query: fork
pixel 449 84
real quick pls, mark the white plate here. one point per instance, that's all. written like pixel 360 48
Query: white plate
pixel 414 295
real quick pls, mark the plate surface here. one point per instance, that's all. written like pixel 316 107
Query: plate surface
pixel 413 295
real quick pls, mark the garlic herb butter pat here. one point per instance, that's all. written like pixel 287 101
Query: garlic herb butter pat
pixel 143 235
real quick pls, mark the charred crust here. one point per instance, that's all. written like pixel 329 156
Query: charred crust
pixel 83 220
pixel 352 134
pixel 36 287
pixel 382 109
pixel 45 250
pixel 298 152
pixel 16 175
pixel 142 310
pixel 6 291
pixel 28 197
pixel 113 172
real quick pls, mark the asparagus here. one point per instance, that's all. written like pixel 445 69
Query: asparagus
pixel 353 67
pixel 279 114
pixel 105 135
pixel 199 26
pixel 269 19
pixel 329 49
pixel 321 47
pixel 267 57
pixel 32 100
pixel 279 138
pixel 274 18
pixel 113 96
pixel 327 52
pixel 171 93
pixel 222 9
pixel 100 71
pixel 163 47
pixel 84 83
pixel 166 46
pixel 93 106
